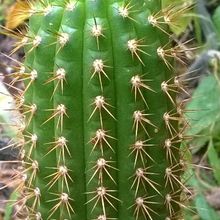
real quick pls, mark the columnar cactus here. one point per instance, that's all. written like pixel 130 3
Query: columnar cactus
pixel 100 139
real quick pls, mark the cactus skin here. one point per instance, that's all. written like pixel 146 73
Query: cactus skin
pixel 98 142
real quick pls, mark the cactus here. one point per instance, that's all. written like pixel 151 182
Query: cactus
pixel 101 137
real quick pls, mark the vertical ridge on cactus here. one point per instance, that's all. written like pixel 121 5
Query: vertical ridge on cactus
pixel 101 135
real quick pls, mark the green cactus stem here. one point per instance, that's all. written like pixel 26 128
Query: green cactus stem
pixel 101 137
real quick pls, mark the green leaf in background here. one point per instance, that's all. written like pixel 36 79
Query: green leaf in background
pixel 214 160
pixel 203 209
pixel 182 21
pixel 9 207
pixel 216 19
pixel 205 106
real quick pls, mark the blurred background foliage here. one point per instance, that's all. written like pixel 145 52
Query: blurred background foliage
pixel 4 6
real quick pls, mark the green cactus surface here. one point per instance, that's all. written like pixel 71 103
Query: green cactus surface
pixel 101 138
